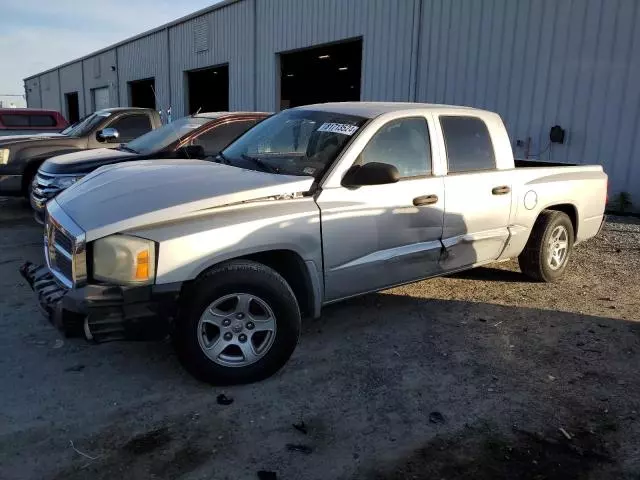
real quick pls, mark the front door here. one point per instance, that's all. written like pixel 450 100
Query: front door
pixel 478 202
pixel 382 235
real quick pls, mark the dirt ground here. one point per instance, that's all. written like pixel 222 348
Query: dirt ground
pixel 482 375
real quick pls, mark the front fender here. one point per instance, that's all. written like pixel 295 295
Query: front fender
pixel 188 247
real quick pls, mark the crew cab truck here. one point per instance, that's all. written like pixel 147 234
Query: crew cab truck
pixel 311 206
pixel 197 136
pixel 20 157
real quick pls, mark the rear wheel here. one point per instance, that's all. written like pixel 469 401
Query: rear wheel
pixel 549 248
pixel 241 324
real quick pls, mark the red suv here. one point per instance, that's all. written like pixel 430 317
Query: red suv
pixel 26 121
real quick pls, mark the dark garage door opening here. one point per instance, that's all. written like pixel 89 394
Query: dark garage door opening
pixel 73 107
pixel 330 73
pixel 208 89
pixel 142 93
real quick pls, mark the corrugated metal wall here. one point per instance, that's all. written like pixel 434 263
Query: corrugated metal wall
pixel 229 32
pixel 50 91
pixel 540 63
pixel 146 57
pixel 32 91
pixel 71 81
pixel 385 26
pixel 537 62
pixel 98 74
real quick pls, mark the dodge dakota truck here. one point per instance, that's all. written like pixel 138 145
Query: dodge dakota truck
pixel 20 156
pixel 197 136
pixel 311 206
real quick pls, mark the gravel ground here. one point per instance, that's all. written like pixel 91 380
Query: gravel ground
pixel 479 375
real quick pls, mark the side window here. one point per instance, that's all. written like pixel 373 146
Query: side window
pixel 11 120
pixel 403 143
pixel 131 126
pixel 42 121
pixel 219 137
pixel 468 143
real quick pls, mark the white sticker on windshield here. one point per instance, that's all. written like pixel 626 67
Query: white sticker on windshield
pixel 343 128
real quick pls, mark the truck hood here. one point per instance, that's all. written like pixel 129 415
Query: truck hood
pixel 130 195
pixel 28 136
pixel 85 161
pixel 15 139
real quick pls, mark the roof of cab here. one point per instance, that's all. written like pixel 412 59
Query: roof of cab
pixel 120 109
pixel 375 109
pixel 214 115
pixel 26 111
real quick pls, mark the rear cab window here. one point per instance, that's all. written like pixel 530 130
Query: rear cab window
pixel 42 121
pixel 14 120
pixel 28 120
pixel 468 144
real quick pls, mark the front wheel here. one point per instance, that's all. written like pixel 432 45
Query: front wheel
pixel 240 324
pixel 549 248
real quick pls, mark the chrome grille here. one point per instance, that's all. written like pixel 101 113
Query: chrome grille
pixel 43 189
pixel 64 241
pixel 64 266
pixel 64 247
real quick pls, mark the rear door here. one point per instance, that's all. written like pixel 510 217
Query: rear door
pixel 478 195
pixel 376 236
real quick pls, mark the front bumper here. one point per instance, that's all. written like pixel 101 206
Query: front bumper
pixel 104 312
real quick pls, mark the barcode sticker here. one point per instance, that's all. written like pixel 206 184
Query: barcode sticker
pixel 343 128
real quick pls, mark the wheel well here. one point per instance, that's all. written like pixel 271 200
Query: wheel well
pixel 288 264
pixel 571 212
pixel 293 269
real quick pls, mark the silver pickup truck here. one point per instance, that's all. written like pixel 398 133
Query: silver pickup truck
pixel 313 205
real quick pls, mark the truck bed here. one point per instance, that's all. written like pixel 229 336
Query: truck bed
pixel 540 163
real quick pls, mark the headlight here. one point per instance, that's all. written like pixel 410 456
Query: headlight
pixel 65 182
pixel 124 260
pixel 4 156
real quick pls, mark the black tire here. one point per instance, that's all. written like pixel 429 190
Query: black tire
pixel 238 276
pixel 28 184
pixel 534 258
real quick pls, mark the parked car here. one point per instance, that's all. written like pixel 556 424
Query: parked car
pixel 20 157
pixel 197 136
pixel 312 206
pixel 29 121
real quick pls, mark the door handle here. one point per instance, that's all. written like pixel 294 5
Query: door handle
pixel 425 200
pixel 502 190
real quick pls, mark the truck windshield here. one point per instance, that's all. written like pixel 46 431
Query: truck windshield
pixel 158 139
pixel 294 142
pixel 85 125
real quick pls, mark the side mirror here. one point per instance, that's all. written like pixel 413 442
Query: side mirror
pixel 373 173
pixel 108 135
pixel 190 151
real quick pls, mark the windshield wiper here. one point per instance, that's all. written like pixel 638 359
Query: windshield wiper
pixel 224 159
pixel 127 149
pixel 260 163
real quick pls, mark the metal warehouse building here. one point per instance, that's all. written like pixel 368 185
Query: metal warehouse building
pixel 539 63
